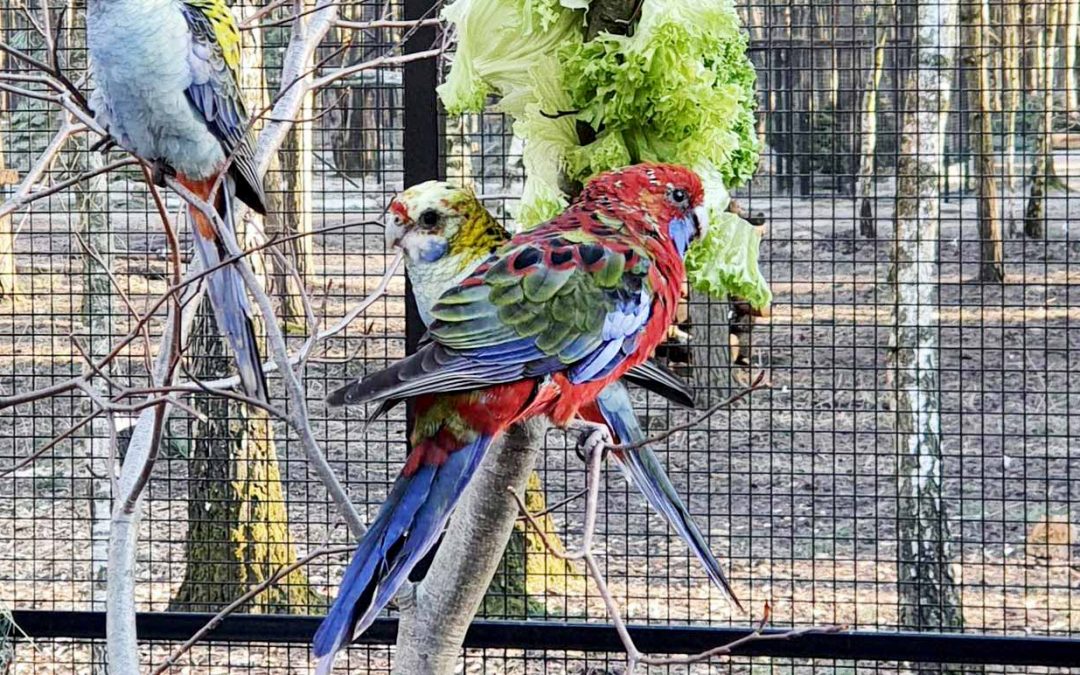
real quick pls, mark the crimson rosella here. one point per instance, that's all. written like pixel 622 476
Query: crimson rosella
pixel 540 328
pixel 446 233
pixel 167 90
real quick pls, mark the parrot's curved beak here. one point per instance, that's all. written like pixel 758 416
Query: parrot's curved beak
pixel 394 230
pixel 701 220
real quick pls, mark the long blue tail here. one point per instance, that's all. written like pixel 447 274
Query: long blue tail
pixel 229 298
pixel 408 525
pixel 642 469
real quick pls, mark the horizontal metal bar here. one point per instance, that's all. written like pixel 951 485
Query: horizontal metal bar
pixel 589 637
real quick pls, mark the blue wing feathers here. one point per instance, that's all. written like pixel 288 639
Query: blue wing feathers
pixel 508 315
pixel 598 363
pixel 215 93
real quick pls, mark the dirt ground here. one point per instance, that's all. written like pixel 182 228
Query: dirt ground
pixel 796 487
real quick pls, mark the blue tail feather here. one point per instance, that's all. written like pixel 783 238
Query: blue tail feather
pixel 642 469
pixel 232 308
pixel 407 526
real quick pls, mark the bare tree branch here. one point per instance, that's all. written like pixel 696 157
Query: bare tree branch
pixel 586 552
pixel 298 415
pixel 233 606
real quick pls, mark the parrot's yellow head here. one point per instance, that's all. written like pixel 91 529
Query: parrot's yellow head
pixel 445 233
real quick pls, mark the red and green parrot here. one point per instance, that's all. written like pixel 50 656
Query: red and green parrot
pixel 446 233
pixel 541 327
pixel 167 90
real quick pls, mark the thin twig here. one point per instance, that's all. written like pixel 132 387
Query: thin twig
pixel 556 506
pixel 216 620
pixel 191 278
pixel 50 445
pixel 17 201
pixel 115 283
pixel 759 383
pixel 386 23
pixel 586 553
pixel 347 71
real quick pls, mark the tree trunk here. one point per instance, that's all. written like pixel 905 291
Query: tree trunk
pixel 928 596
pixel 710 351
pixel 528 571
pixel 975 19
pixel 1012 52
pixel 238 524
pixel 356 141
pixel 433 625
pixel 1042 166
pixel 8 277
pixel 459 152
pixel 864 181
pixel 1072 35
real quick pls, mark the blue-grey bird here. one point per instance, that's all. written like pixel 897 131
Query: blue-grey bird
pixel 167 90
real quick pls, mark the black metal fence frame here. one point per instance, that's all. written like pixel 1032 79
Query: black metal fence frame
pixel 590 637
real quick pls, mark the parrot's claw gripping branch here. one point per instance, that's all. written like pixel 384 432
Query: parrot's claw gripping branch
pixel 594 438
pixel 596 450
pixel 160 172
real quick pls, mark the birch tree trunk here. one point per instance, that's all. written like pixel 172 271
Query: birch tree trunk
pixel 864 180
pixel 1012 52
pixel 975 19
pixel 1042 166
pixel 8 278
pixel 928 596
pixel 238 524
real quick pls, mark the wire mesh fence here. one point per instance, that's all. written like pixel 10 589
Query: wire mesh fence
pixel 805 489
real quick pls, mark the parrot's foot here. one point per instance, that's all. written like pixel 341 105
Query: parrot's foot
pixel 161 171
pixel 104 145
pixel 594 438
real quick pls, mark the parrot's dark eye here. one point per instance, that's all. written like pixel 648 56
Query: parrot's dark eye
pixel 679 197
pixel 429 218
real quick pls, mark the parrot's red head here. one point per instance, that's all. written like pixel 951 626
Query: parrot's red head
pixel 671 196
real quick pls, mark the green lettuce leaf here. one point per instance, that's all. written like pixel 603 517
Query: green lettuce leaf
pixel 725 261
pixel 548 140
pixel 680 89
pixel 499 41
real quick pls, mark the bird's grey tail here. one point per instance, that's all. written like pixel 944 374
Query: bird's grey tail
pixel 229 299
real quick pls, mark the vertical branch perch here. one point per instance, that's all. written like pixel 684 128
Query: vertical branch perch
pixel 435 618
